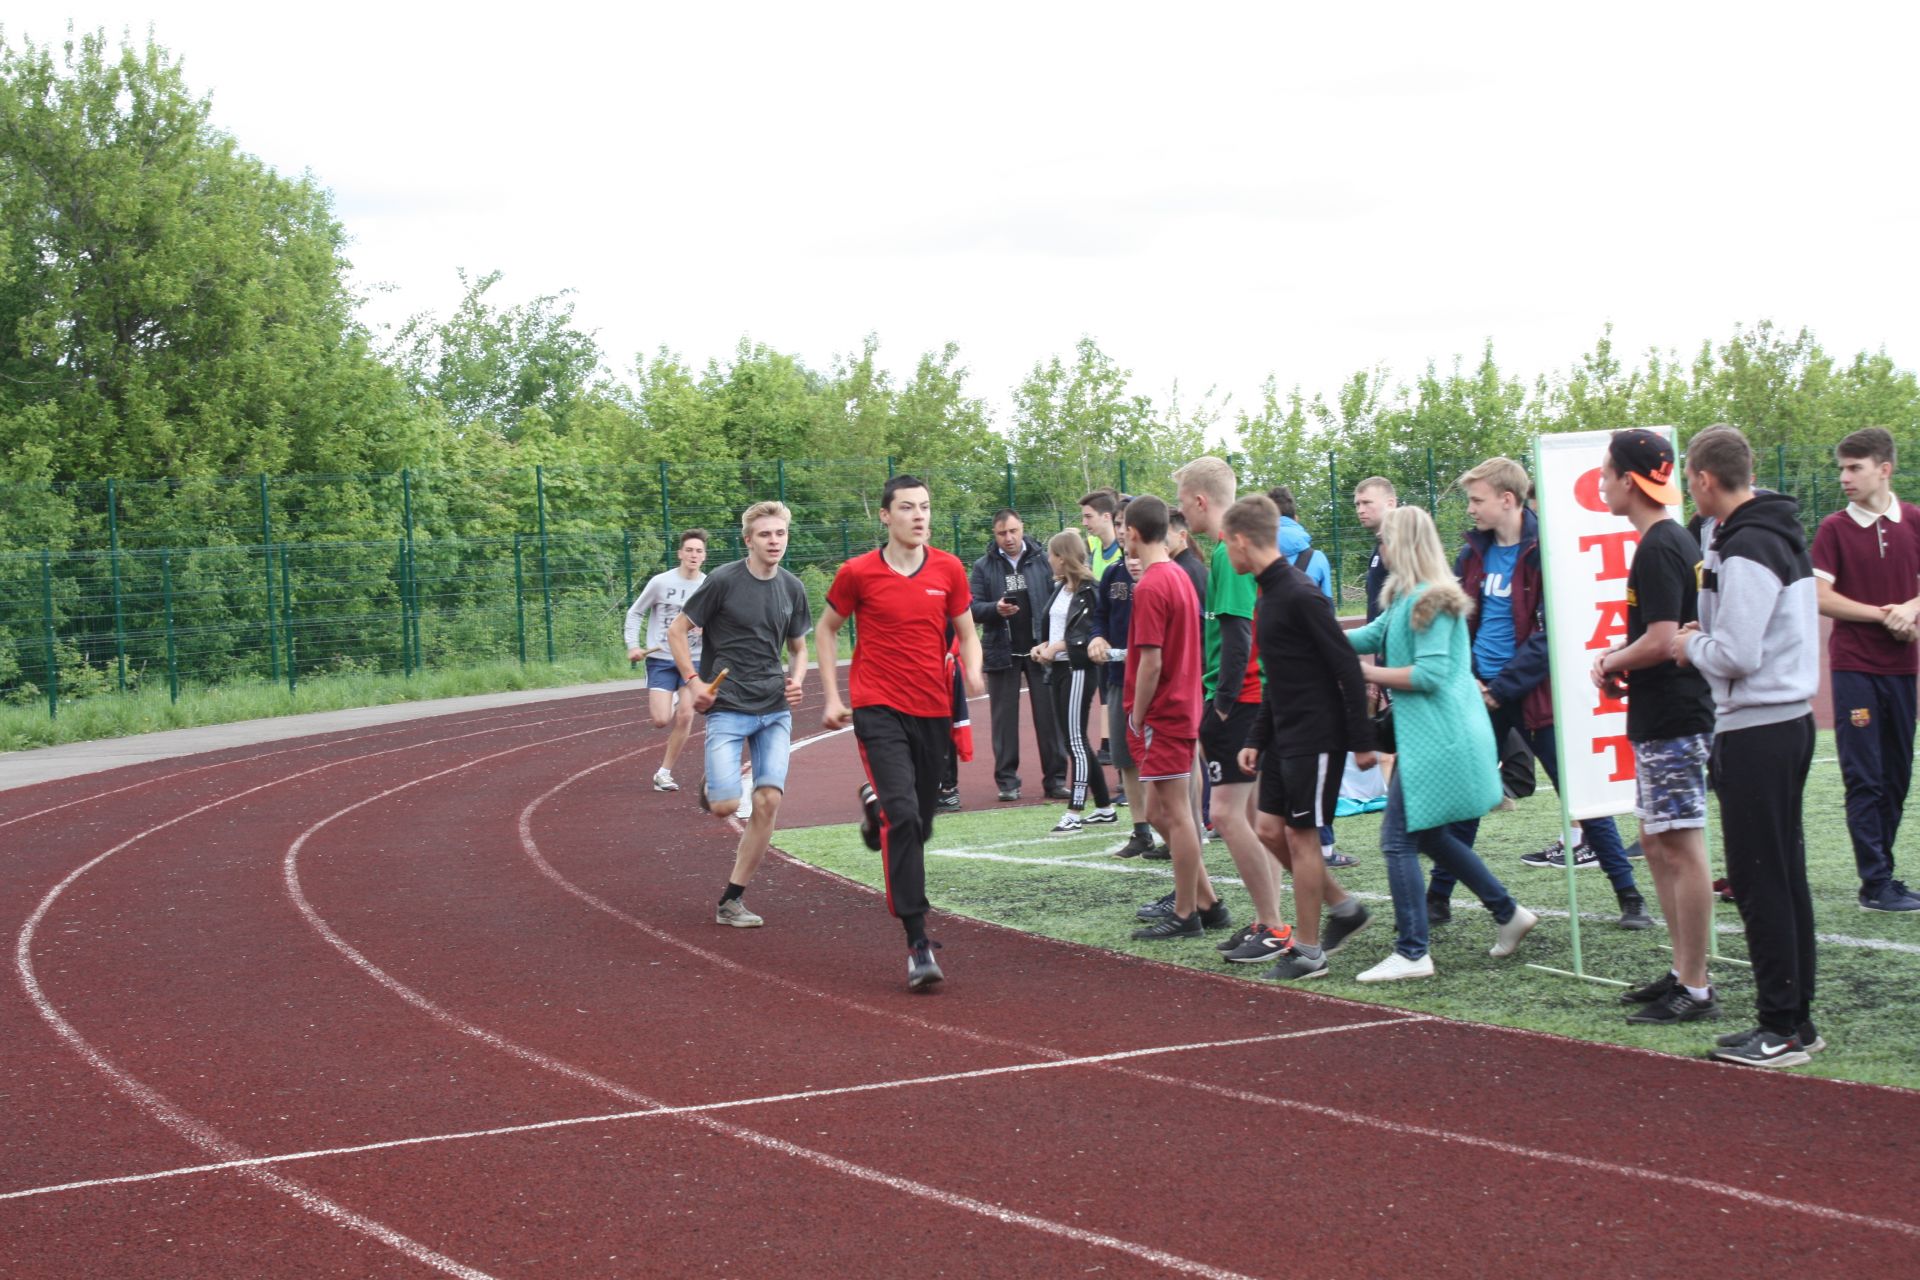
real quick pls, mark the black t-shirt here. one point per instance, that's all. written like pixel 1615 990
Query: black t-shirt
pixel 746 623
pixel 1196 568
pixel 1667 701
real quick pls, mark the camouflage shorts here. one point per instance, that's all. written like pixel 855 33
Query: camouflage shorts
pixel 1670 789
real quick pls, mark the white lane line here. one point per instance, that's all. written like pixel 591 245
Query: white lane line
pixel 160 1108
pixel 567 1070
pixel 617 1117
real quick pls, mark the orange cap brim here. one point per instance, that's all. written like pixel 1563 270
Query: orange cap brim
pixel 1667 495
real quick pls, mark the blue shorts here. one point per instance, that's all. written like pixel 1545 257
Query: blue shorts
pixel 767 736
pixel 1670 783
pixel 664 674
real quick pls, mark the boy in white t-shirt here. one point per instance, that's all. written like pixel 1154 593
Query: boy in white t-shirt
pixel 661 601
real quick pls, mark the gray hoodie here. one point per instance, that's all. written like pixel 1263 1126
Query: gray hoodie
pixel 1759 639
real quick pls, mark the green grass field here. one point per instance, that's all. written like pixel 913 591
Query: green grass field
pixel 1000 865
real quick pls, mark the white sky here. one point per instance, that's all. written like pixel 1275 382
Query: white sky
pixel 1213 192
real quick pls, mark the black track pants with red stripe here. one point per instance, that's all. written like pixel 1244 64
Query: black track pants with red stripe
pixel 905 757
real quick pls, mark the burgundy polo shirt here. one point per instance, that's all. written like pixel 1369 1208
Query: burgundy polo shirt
pixel 1870 560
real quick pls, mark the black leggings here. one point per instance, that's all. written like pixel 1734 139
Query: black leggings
pixel 1073 692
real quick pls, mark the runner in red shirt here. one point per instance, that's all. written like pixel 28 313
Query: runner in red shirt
pixel 906 595
pixel 1161 696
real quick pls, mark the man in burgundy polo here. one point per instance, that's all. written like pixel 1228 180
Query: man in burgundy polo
pixel 1866 561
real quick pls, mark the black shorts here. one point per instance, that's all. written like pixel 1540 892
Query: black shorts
pixel 1302 790
pixel 1221 740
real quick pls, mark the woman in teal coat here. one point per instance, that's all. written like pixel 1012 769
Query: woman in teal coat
pixel 1445 769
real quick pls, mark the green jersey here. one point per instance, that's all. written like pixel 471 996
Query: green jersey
pixel 1229 594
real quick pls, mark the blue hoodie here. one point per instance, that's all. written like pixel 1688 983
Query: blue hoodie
pixel 1292 541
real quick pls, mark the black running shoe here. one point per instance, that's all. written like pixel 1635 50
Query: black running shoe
pixel 1678 1006
pixel 1335 932
pixel 1261 946
pixel 923 970
pixel 1650 992
pixel 1159 853
pixel 1155 910
pixel 870 819
pixel 1633 910
pixel 1137 845
pixel 947 799
pixel 1439 909
pixel 1764 1048
pixel 1234 939
pixel 1294 967
pixel 1170 926
pixel 1216 916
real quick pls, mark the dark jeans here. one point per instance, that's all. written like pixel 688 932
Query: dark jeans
pixel 1003 704
pixel 1600 833
pixel 1876 762
pixel 1072 705
pixel 1760 776
pixel 905 757
pixel 1399 848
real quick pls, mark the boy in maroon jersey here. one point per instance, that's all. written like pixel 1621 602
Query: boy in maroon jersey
pixel 1866 566
pixel 906 595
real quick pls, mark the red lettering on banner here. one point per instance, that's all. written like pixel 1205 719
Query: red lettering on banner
pixel 1613 552
pixel 1586 492
pixel 1607 706
pixel 1622 750
pixel 1612 624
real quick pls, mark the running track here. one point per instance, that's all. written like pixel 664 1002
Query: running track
pixel 445 998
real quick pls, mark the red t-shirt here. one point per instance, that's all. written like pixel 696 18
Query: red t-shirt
pixel 1874 563
pixel 900 656
pixel 1166 616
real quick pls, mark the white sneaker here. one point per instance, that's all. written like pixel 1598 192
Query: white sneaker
pixel 663 780
pixel 1101 815
pixel 1396 967
pixel 1069 825
pixel 1512 931
pixel 734 912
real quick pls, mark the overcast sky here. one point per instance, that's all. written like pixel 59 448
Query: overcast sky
pixel 1215 193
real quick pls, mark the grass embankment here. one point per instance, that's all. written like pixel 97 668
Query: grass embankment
pixel 1000 865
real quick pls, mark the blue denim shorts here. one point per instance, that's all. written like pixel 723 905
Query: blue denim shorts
pixel 664 674
pixel 767 737
pixel 1670 783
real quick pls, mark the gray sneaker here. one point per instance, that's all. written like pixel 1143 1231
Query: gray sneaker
pixel 734 912
pixel 1338 929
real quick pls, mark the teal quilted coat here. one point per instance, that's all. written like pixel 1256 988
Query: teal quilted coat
pixel 1447 766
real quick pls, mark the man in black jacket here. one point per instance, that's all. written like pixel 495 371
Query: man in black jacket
pixel 1011 586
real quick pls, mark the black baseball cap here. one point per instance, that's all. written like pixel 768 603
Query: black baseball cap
pixel 1647 456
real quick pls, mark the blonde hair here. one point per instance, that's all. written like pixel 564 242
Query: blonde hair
pixel 1415 560
pixel 1502 475
pixel 1209 476
pixel 760 511
pixel 1072 550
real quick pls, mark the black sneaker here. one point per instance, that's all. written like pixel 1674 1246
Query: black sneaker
pixel 1439 909
pixel 1554 857
pixel 1155 910
pixel 1138 845
pixel 1678 1006
pixel 1633 910
pixel 1216 916
pixel 1170 926
pixel 1059 793
pixel 1009 793
pixel 947 800
pixel 1650 992
pixel 1234 939
pixel 923 970
pixel 1294 967
pixel 1261 946
pixel 1764 1048
pixel 1335 932
pixel 869 818
pixel 1159 853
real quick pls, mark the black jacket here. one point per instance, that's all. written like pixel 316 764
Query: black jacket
pixel 1080 628
pixel 1314 700
pixel 989 583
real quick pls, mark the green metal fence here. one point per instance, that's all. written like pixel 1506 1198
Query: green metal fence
pixel 117 585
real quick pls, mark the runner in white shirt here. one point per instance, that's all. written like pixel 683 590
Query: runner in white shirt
pixel 660 601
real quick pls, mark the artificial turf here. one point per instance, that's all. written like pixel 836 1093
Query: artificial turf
pixel 999 864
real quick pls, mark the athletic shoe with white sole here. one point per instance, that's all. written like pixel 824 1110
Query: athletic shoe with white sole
pixel 1294 967
pixel 1649 992
pixel 663 780
pixel 869 818
pixel 1554 857
pixel 947 800
pixel 1509 935
pixel 1335 932
pixel 1678 1005
pixel 1161 906
pixel 1764 1049
pixel 1263 946
pixel 1170 926
pixel 1810 1039
pixel 734 912
pixel 923 971
pixel 1233 940
pixel 1101 815
pixel 1396 968
pixel 1216 916
pixel 1070 824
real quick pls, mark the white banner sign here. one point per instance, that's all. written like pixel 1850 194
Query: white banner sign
pixel 1585 554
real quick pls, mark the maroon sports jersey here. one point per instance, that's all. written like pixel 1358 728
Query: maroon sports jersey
pixel 900 657
pixel 1870 560
pixel 1166 616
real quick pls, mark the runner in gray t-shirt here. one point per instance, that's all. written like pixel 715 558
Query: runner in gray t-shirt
pixel 660 602
pixel 748 612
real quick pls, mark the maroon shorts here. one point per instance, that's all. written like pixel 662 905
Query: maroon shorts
pixel 1159 756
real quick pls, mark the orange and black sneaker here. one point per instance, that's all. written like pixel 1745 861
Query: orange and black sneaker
pixel 1264 945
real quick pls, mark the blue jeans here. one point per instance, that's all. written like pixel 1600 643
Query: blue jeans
pixel 1601 835
pixel 1401 848
pixel 768 736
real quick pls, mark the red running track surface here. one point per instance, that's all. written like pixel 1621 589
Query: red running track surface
pixel 446 998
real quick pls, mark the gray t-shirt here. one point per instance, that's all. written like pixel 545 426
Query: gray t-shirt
pixel 748 623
